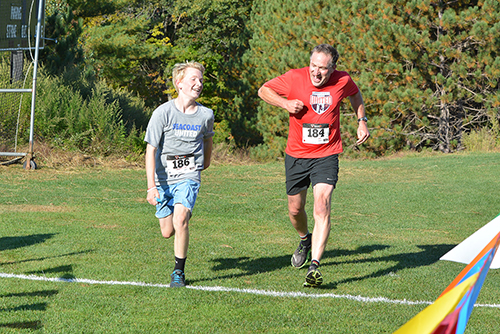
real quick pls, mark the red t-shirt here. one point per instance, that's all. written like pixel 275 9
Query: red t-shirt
pixel 315 131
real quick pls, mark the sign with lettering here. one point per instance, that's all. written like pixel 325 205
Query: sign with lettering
pixel 18 20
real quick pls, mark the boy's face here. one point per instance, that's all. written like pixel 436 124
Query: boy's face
pixel 191 84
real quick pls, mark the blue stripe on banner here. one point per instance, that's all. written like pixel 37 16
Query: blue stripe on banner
pixel 471 296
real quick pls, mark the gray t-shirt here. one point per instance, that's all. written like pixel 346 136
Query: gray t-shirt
pixel 179 138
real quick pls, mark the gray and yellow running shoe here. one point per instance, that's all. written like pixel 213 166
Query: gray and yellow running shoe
pixel 301 256
pixel 313 278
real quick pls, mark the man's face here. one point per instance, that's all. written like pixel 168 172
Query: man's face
pixel 319 69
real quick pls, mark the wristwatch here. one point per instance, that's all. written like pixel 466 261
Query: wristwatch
pixel 363 119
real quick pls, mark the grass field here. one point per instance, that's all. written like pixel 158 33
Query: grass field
pixel 391 221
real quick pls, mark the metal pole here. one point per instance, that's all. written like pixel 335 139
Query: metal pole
pixel 33 94
pixel 13 154
pixel 16 90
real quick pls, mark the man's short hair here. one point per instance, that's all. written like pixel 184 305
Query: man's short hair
pixel 180 69
pixel 328 50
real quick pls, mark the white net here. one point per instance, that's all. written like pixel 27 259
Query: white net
pixel 15 73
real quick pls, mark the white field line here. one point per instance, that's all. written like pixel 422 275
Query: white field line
pixel 224 289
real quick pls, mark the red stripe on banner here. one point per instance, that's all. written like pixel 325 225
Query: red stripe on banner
pixel 449 324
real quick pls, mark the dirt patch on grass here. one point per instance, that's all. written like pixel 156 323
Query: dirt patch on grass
pixel 46 156
pixel 33 208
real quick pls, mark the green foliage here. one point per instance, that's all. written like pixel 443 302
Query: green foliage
pixel 63 51
pixel 127 51
pixel 222 133
pixel 482 140
pixel 137 46
pixel 434 83
pixel 216 34
pixel 427 69
pixel 77 113
pixel 134 45
pixel 90 8
pixel 283 34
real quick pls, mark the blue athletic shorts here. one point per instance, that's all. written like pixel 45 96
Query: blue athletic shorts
pixel 184 192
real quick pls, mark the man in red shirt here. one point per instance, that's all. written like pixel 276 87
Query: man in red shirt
pixel 312 96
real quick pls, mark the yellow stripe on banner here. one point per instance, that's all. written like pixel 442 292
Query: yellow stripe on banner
pixel 426 321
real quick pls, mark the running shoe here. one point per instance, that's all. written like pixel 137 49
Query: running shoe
pixel 313 278
pixel 301 256
pixel 178 279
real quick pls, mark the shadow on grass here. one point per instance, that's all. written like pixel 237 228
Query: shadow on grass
pixel 428 255
pixel 10 243
pixel 23 241
pixel 66 271
pixel 27 308
pixel 33 325
pixel 45 258
pixel 248 266
pixel 251 266
pixel 43 293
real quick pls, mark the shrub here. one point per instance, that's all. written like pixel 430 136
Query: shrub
pixel 482 140
pixel 87 115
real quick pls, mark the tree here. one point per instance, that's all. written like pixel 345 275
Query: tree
pixel 138 44
pixel 283 34
pixel 216 34
pixel 128 48
pixel 64 30
pixel 427 69
pixel 435 66
pixel 92 8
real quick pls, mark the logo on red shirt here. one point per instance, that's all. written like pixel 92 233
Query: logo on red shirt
pixel 320 101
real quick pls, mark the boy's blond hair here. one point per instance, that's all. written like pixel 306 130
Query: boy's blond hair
pixel 180 69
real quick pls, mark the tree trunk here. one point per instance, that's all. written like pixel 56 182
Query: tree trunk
pixel 444 131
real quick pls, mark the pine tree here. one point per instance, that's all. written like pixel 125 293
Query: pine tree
pixel 432 67
pixel 284 32
pixel 64 30
pixel 428 70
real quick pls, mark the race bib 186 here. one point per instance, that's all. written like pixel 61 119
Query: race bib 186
pixel 180 164
pixel 315 133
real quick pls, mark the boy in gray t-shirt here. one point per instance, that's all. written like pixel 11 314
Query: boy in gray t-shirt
pixel 179 146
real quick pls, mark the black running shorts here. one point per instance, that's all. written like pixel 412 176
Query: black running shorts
pixel 300 173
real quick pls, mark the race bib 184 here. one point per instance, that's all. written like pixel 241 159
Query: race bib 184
pixel 315 133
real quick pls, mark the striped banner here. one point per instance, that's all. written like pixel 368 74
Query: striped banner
pixel 452 309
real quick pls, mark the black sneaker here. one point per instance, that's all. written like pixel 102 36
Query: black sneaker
pixel 301 256
pixel 313 278
pixel 178 279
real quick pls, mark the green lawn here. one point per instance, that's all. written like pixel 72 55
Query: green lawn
pixel 391 221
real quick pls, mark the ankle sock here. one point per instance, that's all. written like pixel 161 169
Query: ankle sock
pixel 306 240
pixel 314 264
pixel 180 263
